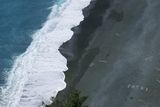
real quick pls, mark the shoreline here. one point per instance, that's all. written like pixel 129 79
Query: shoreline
pixel 118 65
pixel 113 54
pixel 41 67
pixel 75 49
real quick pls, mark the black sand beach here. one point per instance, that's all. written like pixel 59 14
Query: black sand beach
pixel 114 55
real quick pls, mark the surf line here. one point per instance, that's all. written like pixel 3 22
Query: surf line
pixel 37 75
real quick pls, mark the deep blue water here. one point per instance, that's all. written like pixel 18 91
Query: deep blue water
pixel 18 20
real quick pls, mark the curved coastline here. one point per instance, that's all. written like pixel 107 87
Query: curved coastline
pixel 41 67
pixel 118 65
pixel 75 50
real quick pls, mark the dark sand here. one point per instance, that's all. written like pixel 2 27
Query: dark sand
pixel 115 54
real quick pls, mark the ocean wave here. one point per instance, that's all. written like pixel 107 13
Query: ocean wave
pixel 38 74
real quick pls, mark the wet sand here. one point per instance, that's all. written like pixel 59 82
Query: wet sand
pixel 114 55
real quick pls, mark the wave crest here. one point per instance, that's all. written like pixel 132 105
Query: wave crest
pixel 37 75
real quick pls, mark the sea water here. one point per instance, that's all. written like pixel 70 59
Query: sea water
pixel 18 20
pixel 31 32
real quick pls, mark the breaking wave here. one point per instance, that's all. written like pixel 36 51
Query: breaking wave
pixel 38 74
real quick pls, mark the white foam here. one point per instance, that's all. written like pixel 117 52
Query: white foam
pixel 37 75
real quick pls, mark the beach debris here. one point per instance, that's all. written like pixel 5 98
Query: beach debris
pixel 149 59
pixel 157 69
pixel 133 86
pixel 91 65
pixel 138 87
pixel 103 61
pixel 146 89
pixel 129 85
pixel 142 88
pixel 117 35
pixel 158 81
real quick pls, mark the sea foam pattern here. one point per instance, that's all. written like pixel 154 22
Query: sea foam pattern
pixel 37 75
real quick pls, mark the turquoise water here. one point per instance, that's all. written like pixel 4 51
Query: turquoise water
pixel 41 67
pixel 18 21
